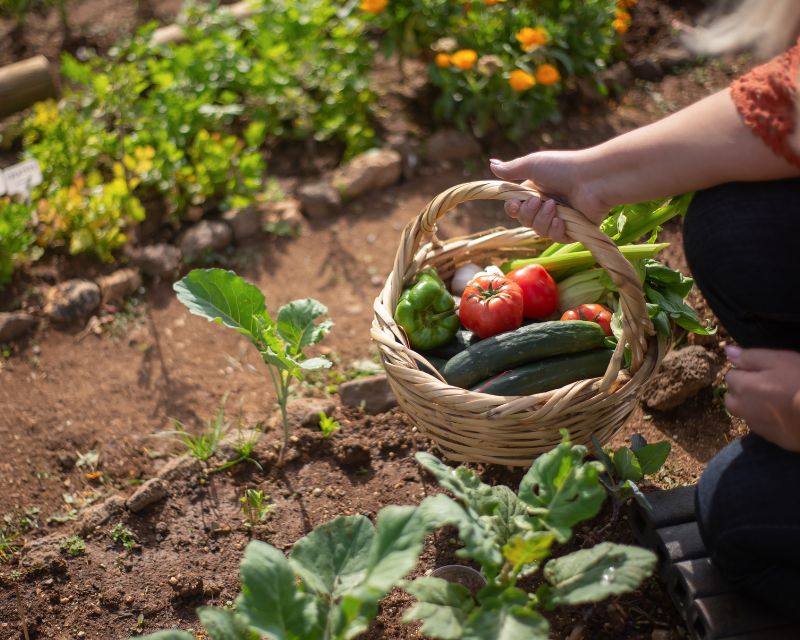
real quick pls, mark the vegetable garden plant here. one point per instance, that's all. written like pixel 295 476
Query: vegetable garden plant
pixel 330 585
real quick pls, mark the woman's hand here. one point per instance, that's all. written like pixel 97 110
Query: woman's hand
pixel 764 390
pixel 559 174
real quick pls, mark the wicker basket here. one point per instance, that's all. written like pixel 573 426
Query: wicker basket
pixel 510 430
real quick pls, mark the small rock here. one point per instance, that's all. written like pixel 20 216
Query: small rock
pixel 118 285
pixel 245 223
pixel 15 324
pixel 149 493
pixel 646 68
pixel 44 555
pixel 216 529
pixel 72 300
pixel 450 144
pixel 206 235
pixel 161 528
pixel 99 514
pixel 374 169
pixel 305 411
pixel 179 468
pixel 682 374
pixel 374 392
pixel 156 260
pixel 319 199
pixel 317 492
pixel 286 213
pixel 350 453
pixel 186 587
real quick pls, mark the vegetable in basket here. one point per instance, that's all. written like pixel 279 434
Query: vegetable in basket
pixel 491 305
pixel 539 291
pixel 593 313
pixel 426 311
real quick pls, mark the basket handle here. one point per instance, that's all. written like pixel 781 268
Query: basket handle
pixel 636 325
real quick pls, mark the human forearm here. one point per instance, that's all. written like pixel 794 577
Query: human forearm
pixel 700 146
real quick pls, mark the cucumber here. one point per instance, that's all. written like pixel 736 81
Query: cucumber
pixel 522 346
pixel 461 341
pixel 438 364
pixel 547 374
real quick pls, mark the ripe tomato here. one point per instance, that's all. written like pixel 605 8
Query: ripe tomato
pixel 539 290
pixel 593 313
pixel 491 305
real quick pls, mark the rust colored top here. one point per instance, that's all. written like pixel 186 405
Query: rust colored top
pixel 765 98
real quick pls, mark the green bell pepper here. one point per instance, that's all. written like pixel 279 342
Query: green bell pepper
pixel 426 312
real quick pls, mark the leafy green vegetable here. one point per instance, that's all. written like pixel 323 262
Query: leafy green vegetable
pixel 224 297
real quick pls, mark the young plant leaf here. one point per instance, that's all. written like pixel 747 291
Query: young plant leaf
pixel 270 599
pixel 296 323
pixel 591 575
pixel 627 465
pixel 638 442
pixel 222 296
pixel 462 482
pixel 332 559
pixel 522 551
pixel 312 364
pixel 506 616
pixel 222 624
pixel 652 457
pixel 563 489
pixel 602 456
pixel 442 606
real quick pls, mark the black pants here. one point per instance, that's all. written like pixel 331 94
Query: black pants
pixel 742 242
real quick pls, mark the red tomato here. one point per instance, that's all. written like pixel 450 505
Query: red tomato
pixel 593 313
pixel 539 290
pixel 491 305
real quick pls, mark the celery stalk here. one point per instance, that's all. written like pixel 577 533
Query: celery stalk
pixel 561 263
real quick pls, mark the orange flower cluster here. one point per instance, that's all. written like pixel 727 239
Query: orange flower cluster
pixel 464 59
pixel 531 38
pixel 373 6
pixel 521 80
pixel 622 19
pixel 547 75
pixel 491 3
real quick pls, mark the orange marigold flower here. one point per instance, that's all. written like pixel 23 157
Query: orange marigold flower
pixel 442 60
pixel 491 3
pixel 547 75
pixel 621 14
pixel 532 37
pixel 620 26
pixel 464 59
pixel 521 80
pixel 373 6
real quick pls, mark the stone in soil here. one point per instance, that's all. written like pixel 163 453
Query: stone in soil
pixel 117 286
pixel 373 393
pixel 15 324
pixel 319 199
pixel 99 514
pixel 287 213
pixel 682 374
pixel 305 411
pixel 374 169
pixel 452 145
pixel 205 236
pixel 72 301
pixel 245 222
pixel 156 260
pixel 186 587
pixel 151 492
pixel 44 555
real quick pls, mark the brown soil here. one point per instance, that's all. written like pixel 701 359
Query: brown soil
pixel 64 393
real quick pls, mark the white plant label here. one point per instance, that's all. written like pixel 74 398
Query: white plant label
pixel 21 178
pixel 2 183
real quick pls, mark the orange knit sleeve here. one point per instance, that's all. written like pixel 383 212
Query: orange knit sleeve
pixel 765 98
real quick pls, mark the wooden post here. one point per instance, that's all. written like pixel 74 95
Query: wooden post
pixel 174 33
pixel 23 83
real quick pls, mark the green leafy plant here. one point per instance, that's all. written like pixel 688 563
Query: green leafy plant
pixel 625 466
pixel 329 586
pixel 511 536
pixel 328 425
pixel 224 297
pixel 74 546
pixel 254 507
pixel 204 445
pixel 7 546
pixel 16 237
pixel 122 535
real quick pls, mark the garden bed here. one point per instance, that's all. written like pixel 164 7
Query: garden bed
pixel 68 393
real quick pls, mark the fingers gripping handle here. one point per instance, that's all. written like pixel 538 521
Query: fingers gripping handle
pixel 636 325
